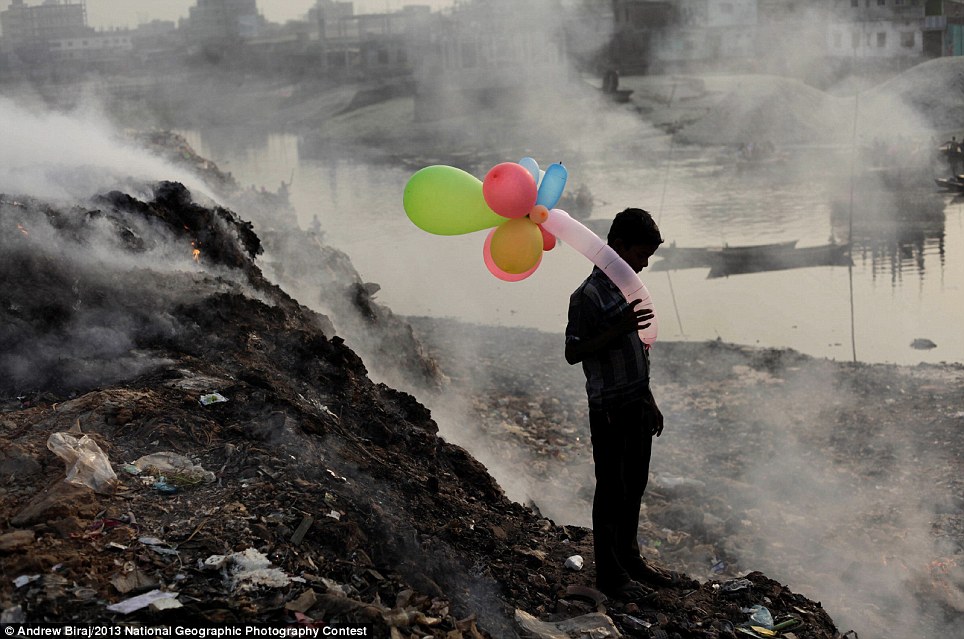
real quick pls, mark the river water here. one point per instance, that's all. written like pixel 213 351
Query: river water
pixel 905 284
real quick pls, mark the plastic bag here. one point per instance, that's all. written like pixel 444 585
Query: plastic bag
pixel 87 464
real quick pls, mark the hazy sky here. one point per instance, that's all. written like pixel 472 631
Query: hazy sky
pixel 129 13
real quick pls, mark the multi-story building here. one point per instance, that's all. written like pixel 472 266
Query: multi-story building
pixel 639 28
pixel 369 44
pixel 488 53
pixel 223 21
pixel 29 30
pixel 682 33
pixel 102 47
pixel 877 29
pixel 904 29
pixel 791 36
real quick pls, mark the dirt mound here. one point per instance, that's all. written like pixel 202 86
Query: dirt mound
pixel 767 108
pixel 303 493
pixel 933 90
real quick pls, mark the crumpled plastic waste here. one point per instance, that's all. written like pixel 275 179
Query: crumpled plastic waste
pixel 212 398
pixel 176 469
pixel 760 616
pixel 87 464
pixel 141 601
pixel 735 585
pixel 594 624
pixel 246 570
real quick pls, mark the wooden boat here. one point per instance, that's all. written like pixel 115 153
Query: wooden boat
pixel 955 183
pixel 679 257
pixel 832 254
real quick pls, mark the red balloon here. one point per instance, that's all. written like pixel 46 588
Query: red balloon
pixel 509 190
pixel 548 239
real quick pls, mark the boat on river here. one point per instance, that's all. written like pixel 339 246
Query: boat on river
pixel 954 184
pixel 831 254
pixel 679 257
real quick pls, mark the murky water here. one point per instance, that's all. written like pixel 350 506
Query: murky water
pixel 905 283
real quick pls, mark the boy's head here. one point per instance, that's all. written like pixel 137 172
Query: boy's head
pixel 634 226
pixel 635 237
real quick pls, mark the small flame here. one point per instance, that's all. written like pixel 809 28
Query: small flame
pixel 23 229
pixel 196 252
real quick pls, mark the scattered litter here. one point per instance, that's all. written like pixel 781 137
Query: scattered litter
pixel 760 616
pixel 304 602
pixel 595 625
pixel 87 465
pixel 162 486
pixel 23 580
pixel 334 514
pixel 574 563
pixel 334 586
pixel 634 623
pixel 212 398
pixel 336 475
pixel 13 614
pixel 250 568
pixel 157 545
pixel 177 470
pixel 140 601
pixel 302 530
pixel 214 562
pixel 735 585
pixel 134 581
pixel 167 603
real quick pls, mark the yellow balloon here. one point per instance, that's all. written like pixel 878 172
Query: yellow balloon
pixel 447 201
pixel 516 245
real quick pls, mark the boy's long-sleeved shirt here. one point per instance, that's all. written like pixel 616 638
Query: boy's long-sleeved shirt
pixel 619 373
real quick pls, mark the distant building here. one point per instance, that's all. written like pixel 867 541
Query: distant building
pixel 29 30
pixel 639 29
pixel 490 53
pixel 897 29
pixel 99 48
pixel 791 36
pixel 877 29
pixel 711 33
pixel 223 21
pixel 369 44
pixel 676 34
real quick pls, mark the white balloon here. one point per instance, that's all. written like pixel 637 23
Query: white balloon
pixel 575 234
pixel 532 167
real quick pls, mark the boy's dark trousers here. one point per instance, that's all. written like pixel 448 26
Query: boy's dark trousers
pixel 621 449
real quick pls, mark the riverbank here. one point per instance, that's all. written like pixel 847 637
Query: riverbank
pixel 844 480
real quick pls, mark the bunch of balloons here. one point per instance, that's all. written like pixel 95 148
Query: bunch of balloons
pixel 515 200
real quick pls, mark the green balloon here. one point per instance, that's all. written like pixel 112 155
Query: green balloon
pixel 445 200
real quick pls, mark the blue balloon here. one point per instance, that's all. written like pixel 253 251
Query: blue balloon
pixel 552 185
pixel 532 167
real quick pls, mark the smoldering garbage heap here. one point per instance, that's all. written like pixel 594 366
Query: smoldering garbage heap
pixel 295 489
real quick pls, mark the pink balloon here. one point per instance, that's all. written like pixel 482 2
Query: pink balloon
pixel 509 190
pixel 498 272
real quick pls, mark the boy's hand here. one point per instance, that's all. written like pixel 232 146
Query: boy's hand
pixel 634 319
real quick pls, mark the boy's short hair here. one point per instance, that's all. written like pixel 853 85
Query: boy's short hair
pixel 634 226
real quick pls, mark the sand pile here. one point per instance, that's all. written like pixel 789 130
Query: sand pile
pixel 932 90
pixel 768 108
